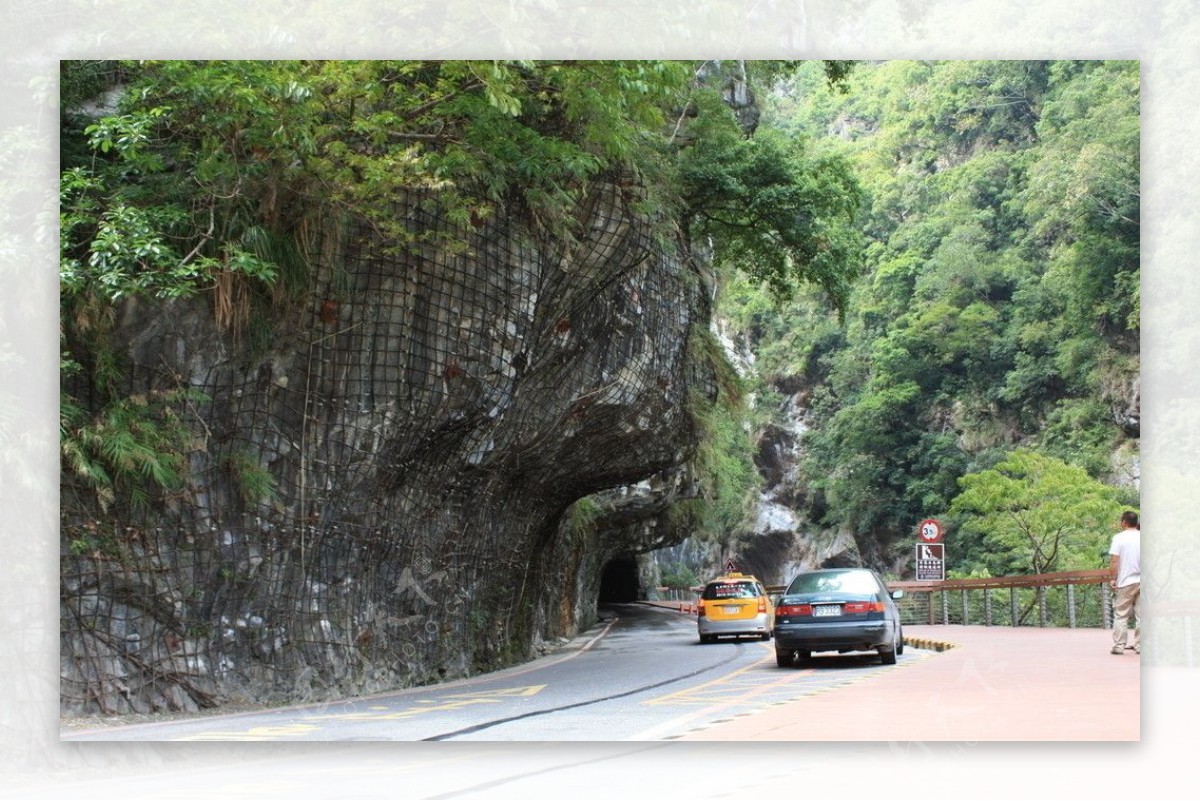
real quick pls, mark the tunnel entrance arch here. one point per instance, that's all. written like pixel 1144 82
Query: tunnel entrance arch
pixel 619 582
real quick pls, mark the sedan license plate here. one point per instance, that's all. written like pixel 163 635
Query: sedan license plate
pixel 827 610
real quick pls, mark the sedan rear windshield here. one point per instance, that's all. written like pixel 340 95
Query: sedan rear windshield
pixel 731 589
pixel 853 581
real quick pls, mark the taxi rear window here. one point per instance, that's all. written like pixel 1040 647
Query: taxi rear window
pixel 730 589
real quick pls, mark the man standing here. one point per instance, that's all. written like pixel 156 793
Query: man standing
pixel 1125 560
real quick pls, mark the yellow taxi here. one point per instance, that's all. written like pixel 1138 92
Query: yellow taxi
pixel 734 605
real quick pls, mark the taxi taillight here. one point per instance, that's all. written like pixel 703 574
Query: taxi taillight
pixel 762 606
pixel 700 608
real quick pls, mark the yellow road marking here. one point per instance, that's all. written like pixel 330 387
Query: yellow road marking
pixel 456 701
pixel 719 689
pixel 507 692
pixel 376 712
pixel 723 702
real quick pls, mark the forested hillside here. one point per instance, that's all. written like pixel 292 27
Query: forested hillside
pixel 986 368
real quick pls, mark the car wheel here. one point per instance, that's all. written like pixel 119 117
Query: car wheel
pixel 766 635
pixel 706 638
pixel 900 643
pixel 784 658
pixel 887 655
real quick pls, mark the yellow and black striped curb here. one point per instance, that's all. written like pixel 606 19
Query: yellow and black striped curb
pixel 930 645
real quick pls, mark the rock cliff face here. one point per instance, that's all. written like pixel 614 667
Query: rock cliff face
pixel 384 464
pixel 784 540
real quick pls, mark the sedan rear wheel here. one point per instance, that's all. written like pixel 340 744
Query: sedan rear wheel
pixel 784 658
pixel 887 656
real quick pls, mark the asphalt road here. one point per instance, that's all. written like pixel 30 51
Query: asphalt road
pixel 641 674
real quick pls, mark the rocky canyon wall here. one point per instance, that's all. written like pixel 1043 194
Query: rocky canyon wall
pixel 382 461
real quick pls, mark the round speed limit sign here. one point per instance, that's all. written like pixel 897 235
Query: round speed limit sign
pixel 930 530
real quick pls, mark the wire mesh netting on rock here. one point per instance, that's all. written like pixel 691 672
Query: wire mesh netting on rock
pixel 382 461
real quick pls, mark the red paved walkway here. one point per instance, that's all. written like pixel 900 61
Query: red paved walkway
pixel 995 684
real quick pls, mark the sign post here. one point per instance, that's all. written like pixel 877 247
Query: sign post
pixel 931 556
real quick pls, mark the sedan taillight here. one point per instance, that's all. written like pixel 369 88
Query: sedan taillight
pixel 794 610
pixel 858 607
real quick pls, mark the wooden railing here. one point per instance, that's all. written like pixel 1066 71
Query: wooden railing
pixel 1080 598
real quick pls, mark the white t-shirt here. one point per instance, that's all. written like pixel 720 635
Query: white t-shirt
pixel 1127 547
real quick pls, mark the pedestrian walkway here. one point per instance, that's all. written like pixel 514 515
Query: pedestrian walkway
pixel 975 683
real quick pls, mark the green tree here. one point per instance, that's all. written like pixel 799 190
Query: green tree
pixel 1036 513
pixel 996 306
pixel 678 576
pixel 771 207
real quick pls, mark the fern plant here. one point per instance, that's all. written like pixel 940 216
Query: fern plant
pixel 132 448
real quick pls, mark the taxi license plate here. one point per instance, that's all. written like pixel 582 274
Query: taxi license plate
pixel 827 610
pixel 732 610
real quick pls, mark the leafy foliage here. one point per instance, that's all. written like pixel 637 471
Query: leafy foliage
pixel 1038 514
pixel 204 163
pixel 679 576
pixel 997 307
pixel 772 209
pixel 724 461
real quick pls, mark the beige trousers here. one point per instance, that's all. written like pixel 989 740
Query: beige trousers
pixel 1125 609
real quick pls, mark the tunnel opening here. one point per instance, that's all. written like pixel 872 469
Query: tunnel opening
pixel 619 582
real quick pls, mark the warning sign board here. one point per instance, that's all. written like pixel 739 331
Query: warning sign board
pixel 931 561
